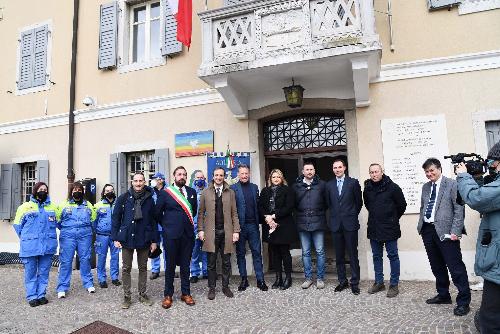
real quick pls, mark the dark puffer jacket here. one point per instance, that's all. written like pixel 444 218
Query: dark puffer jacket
pixel 310 205
pixel 386 204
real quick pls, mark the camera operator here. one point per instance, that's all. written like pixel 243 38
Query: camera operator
pixel 486 200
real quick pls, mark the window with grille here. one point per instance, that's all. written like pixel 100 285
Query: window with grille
pixel 304 132
pixel 141 162
pixel 28 179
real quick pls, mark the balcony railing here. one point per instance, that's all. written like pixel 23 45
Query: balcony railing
pixel 260 33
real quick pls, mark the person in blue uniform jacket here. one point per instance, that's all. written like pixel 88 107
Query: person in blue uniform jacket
pixel 198 256
pixel 103 242
pixel 158 184
pixel 35 224
pixel 75 218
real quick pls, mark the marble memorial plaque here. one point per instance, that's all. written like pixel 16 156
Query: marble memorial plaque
pixel 407 143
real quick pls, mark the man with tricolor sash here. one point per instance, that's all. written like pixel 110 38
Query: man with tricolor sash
pixel 175 209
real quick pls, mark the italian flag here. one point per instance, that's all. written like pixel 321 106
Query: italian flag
pixel 183 13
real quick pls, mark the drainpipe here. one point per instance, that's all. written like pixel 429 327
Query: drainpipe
pixel 71 118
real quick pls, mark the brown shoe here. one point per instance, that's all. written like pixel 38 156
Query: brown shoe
pixel 188 300
pixel 227 292
pixel 211 294
pixel 167 302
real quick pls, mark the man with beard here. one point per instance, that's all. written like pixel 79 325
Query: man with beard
pixel 175 209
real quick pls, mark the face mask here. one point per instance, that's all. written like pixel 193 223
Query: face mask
pixel 154 183
pixel 199 183
pixel 42 196
pixel 78 196
pixel 110 196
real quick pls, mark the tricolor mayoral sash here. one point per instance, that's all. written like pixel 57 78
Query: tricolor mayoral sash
pixel 182 201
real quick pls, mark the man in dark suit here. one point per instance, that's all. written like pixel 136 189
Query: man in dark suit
pixel 176 208
pixel 440 225
pixel 345 202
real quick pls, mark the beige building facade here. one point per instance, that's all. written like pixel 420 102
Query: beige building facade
pixel 362 63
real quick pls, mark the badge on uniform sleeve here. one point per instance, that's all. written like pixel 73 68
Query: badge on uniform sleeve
pixel 103 211
pixel 68 210
pixel 52 218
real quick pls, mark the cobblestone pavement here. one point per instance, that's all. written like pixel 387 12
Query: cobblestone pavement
pixel 253 311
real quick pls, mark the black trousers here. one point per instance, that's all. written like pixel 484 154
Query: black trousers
pixel 212 262
pixel 178 251
pixel 443 256
pixel 489 315
pixel 343 240
pixel 281 258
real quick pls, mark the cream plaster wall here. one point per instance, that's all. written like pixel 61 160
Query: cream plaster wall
pixel 420 34
pixel 456 96
pixel 16 16
pixel 107 86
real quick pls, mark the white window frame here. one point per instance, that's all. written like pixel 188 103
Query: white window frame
pixel 125 20
pixel 474 6
pixel 147 169
pixel 24 180
pixel 49 58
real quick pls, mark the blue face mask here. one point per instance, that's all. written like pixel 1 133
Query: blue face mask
pixel 200 183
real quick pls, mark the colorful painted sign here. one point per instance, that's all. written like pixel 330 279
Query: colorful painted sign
pixel 194 143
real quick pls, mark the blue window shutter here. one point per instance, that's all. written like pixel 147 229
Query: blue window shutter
pixel 123 180
pixel 170 43
pixel 42 171
pixel 161 162
pixel 40 56
pixel 5 191
pixel 25 79
pixel 16 189
pixel 113 171
pixel 108 35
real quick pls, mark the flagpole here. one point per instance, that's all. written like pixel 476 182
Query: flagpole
pixel 206 4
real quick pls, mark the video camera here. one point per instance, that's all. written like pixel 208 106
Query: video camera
pixel 476 166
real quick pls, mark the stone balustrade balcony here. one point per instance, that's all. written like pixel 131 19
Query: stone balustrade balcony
pixel 252 48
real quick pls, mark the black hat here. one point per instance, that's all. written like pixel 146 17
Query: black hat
pixel 494 153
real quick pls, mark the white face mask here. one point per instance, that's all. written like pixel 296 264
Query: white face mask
pixel 153 183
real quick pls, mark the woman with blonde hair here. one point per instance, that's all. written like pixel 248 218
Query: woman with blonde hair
pixel 276 204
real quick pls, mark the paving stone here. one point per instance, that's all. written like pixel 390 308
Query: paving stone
pixel 253 311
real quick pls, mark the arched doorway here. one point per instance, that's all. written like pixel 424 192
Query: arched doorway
pixel 315 137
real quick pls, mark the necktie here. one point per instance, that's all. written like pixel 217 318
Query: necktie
pixel 432 200
pixel 339 186
pixel 182 192
pixel 218 192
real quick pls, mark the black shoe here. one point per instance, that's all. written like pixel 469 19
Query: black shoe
pixel 341 286
pixel 244 284
pixel 193 279
pixel 287 282
pixel 34 302
pixel 204 277
pixel 103 285
pixel 262 285
pixel 279 281
pixel 355 290
pixel 439 300
pixel 42 301
pixel 116 282
pixel 154 276
pixel 461 310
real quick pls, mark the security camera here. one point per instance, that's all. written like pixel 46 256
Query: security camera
pixel 88 101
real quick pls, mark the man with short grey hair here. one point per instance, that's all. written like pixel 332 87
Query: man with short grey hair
pixel 440 225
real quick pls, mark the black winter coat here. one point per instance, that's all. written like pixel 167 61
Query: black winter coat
pixel 134 234
pixel 310 205
pixel 386 204
pixel 286 232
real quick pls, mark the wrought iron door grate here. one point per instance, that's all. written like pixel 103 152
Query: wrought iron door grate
pixel 304 131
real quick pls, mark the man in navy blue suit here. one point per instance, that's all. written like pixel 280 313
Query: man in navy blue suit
pixel 345 202
pixel 176 208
